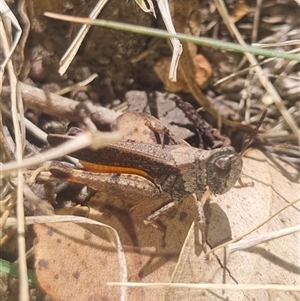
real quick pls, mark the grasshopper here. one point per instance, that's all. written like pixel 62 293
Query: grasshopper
pixel 173 171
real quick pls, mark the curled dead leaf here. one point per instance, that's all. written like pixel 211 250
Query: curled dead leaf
pixel 240 10
pixel 202 73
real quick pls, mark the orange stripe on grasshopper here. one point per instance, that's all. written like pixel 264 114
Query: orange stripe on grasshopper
pixel 99 168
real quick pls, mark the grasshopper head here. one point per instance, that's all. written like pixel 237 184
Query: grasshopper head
pixel 223 169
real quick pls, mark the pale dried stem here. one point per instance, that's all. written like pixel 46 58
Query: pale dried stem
pixel 279 44
pixel 56 105
pixel 251 71
pixel 6 13
pixel 247 69
pixel 25 30
pixel 256 20
pixel 143 6
pixel 6 206
pixel 35 131
pixel 78 85
pixel 72 50
pixel 211 286
pixel 262 238
pixel 253 229
pixel 93 140
pixel 19 130
pixel 263 79
pixel 163 6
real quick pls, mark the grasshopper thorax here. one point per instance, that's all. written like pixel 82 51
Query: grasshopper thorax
pixel 223 169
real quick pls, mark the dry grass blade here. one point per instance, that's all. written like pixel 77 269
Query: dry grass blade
pixel 78 85
pixel 209 286
pixel 7 13
pixel 294 42
pixel 112 66
pixel 17 111
pixel 163 6
pixel 143 6
pixel 72 50
pixel 255 228
pixel 25 33
pixel 235 74
pixel 253 241
pixel 93 140
pixel 263 79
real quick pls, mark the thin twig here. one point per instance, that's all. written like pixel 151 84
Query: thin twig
pixel 256 20
pixel 78 85
pixel 53 104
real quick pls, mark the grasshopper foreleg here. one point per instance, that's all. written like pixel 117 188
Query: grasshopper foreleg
pixel 201 222
pixel 151 219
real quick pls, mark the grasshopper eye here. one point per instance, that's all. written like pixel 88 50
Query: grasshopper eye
pixel 223 169
pixel 224 164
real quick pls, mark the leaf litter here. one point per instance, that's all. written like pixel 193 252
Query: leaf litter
pixel 241 97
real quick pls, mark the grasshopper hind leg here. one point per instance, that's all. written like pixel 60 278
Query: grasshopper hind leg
pixel 163 135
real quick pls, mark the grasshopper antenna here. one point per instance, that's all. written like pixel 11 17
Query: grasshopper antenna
pixel 246 144
pixel 254 133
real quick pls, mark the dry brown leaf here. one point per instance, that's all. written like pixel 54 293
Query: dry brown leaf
pixel 161 69
pixel 132 126
pixel 187 19
pixel 70 260
pixel 240 10
pixel 73 262
pixel 202 73
pixel 203 69
pixel 238 211
pixel 148 261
